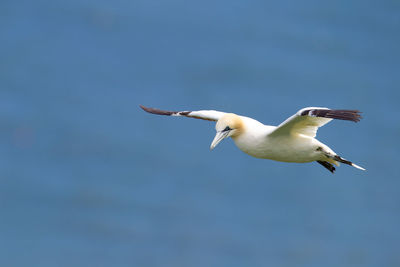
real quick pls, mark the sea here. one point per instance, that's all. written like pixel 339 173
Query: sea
pixel 87 178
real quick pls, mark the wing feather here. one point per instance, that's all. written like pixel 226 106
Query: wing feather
pixel 307 120
pixel 210 115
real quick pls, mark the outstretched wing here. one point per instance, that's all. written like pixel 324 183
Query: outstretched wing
pixel 210 115
pixel 307 120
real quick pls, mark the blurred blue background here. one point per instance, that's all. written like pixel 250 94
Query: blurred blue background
pixel 89 179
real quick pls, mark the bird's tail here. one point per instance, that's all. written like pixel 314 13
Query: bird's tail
pixel 345 161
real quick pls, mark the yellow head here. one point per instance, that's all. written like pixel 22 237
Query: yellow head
pixel 229 125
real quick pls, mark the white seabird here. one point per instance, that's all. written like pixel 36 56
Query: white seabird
pixel 292 141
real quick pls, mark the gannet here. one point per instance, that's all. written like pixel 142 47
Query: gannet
pixel 291 141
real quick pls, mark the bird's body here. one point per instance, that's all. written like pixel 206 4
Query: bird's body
pixel 257 140
pixel 291 141
pixel 257 143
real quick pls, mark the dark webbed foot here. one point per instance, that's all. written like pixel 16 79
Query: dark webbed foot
pixel 327 165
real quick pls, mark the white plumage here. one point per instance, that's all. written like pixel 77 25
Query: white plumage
pixel 292 141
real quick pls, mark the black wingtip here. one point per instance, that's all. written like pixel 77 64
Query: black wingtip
pixel 146 108
pixel 157 111
pixel 349 115
pixel 339 114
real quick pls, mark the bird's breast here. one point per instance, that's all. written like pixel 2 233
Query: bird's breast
pixel 254 143
pixel 286 148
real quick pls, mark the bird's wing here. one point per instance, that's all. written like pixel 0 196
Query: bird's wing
pixel 307 120
pixel 210 115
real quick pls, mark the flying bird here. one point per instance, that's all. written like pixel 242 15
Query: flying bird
pixel 291 141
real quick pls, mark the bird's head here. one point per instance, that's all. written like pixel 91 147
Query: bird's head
pixel 229 125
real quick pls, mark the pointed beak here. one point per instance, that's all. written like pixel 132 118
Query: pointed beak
pixel 218 138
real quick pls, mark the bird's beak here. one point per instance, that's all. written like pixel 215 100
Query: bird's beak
pixel 218 138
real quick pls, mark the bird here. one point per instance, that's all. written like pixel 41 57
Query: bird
pixel 291 141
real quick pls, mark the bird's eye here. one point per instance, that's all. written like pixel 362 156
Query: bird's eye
pixel 227 128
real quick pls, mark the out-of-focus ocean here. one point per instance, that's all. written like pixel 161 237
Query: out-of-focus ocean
pixel 89 179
